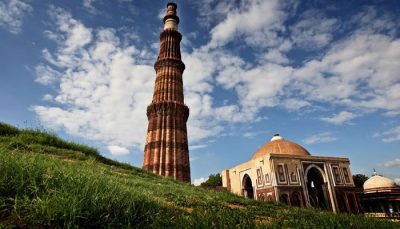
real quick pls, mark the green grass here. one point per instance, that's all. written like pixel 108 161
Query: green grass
pixel 49 182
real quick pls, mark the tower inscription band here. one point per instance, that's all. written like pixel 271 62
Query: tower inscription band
pixel 166 150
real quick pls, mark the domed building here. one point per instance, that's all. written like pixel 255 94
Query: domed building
pixel 380 197
pixel 284 171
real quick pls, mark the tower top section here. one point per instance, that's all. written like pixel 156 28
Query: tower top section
pixel 171 20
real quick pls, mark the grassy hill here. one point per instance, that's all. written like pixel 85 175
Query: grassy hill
pixel 48 182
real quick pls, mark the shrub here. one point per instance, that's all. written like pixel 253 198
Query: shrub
pixel 6 130
pixel 214 180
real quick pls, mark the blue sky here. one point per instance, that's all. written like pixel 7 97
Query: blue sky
pixel 324 74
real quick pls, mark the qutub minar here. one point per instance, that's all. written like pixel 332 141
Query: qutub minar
pixel 166 151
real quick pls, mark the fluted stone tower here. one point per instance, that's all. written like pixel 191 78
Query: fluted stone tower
pixel 166 152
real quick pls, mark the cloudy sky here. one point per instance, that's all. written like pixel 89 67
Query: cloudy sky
pixel 323 74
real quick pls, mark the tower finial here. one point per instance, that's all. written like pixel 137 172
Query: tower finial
pixel 171 20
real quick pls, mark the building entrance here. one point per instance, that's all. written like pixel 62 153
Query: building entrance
pixel 248 191
pixel 317 189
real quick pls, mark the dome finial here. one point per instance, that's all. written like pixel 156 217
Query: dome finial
pixel 374 173
pixel 276 137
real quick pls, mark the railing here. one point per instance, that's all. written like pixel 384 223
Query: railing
pixel 391 190
pixel 395 215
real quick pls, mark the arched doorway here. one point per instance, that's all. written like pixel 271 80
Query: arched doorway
pixel 317 189
pixel 295 200
pixel 284 198
pixel 247 185
pixel 352 203
pixel 341 202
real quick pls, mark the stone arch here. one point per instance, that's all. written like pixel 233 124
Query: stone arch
pixel 247 185
pixel 352 203
pixel 317 187
pixel 284 198
pixel 319 169
pixel 341 200
pixel 295 200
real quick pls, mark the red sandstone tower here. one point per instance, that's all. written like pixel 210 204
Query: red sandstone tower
pixel 166 152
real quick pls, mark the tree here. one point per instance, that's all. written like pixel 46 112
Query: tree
pixel 359 180
pixel 214 180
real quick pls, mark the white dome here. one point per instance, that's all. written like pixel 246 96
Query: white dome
pixel 378 181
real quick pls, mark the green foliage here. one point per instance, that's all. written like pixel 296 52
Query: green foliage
pixel 54 185
pixel 214 180
pixel 42 191
pixel 359 180
pixel 49 139
pixel 6 129
pixel 42 141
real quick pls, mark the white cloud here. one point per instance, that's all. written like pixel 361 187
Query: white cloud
pixel 340 118
pixel 47 97
pixel 46 75
pixel 118 150
pixel 88 4
pixel 258 87
pixel 320 138
pixel 77 35
pixel 107 84
pixel 358 72
pixel 372 20
pixel 258 21
pixel 199 128
pixel 252 134
pixel 393 163
pixel 205 118
pixel 392 113
pixel 276 56
pixel 397 180
pixel 392 135
pixel 195 147
pixel 200 66
pixel 295 104
pixel 313 30
pixel 12 14
pixel 198 181
pixel 249 134
pixel 103 92
pixel 161 13
pixel 211 11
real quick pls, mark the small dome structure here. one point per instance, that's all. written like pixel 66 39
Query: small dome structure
pixel 278 145
pixel 378 182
